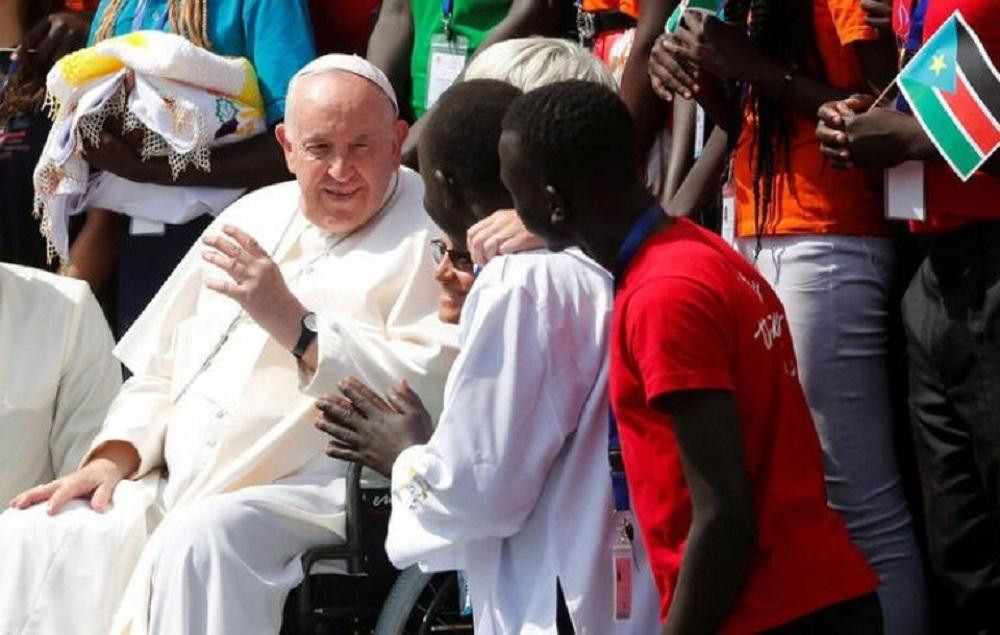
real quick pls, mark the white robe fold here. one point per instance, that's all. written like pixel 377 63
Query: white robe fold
pixel 514 484
pixel 224 418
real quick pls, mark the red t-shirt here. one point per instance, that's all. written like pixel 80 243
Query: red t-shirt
pixel 950 203
pixel 692 314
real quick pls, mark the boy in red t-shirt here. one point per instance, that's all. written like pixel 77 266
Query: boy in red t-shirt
pixel 723 461
pixel 951 312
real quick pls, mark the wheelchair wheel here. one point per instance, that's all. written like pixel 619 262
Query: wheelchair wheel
pixel 422 603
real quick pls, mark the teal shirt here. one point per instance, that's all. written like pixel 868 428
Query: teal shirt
pixel 275 35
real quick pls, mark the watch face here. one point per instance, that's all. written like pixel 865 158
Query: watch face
pixel 309 321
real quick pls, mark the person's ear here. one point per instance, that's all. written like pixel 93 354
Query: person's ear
pixel 401 130
pixel 281 134
pixel 558 209
pixel 451 198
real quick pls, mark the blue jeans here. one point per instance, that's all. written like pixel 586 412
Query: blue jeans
pixel 835 293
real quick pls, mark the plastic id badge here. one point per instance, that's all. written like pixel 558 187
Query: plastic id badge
pixel 447 60
pixel 729 214
pixel 143 227
pixel 621 564
pixel 904 192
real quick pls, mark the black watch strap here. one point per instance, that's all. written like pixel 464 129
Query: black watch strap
pixel 306 335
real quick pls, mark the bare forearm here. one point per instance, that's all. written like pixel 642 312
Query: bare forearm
pixel 93 254
pixel 879 61
pixel 715 568
pixel 391 44
pixel 526 17
pixel 700 183
pixel 684 124
pixel 803 94
pixel 648 111
pixel 251 164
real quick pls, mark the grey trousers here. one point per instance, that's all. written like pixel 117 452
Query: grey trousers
pixel 835 293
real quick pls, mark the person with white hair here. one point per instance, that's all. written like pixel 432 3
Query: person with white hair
pixel 527 63
pixel 532 62
pixel 290 289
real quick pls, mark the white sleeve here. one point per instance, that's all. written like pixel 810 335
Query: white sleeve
pixel 409 343
pixel 90 379
pixel 509 406
pixel 140 412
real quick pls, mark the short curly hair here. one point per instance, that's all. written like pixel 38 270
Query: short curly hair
pixel 577 130
pixel 463 131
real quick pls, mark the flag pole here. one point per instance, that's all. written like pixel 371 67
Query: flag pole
pixel 885 92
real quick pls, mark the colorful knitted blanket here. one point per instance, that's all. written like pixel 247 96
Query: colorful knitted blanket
pixel 184 100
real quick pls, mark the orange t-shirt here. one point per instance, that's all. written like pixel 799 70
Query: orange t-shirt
pixel 628 7
pixel 813 197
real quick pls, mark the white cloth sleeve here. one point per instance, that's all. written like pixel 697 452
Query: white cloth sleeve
pixel 412 344
pixel 509 407
pixel 140 413
pixel 90 380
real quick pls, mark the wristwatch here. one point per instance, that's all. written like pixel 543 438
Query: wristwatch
pixel 306 335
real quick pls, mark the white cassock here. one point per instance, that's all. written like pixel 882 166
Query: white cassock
pixel 221 406
pixel 57 376
pixel 514 484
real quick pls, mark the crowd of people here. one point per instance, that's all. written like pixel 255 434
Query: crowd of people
pixel 667 316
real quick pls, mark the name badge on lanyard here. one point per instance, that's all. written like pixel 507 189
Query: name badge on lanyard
pixel 448 53
pixel 621 558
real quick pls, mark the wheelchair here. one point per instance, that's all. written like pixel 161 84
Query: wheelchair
pixel 352 588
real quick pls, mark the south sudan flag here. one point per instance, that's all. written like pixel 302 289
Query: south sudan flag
pixel 712 7
pixel 954 90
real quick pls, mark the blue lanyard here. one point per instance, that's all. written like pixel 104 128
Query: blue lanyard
pixel 640 231
pixel 140 16
pixel 447 11
pixel 637 235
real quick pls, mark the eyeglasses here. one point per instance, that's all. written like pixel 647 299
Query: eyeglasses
pixel 461 260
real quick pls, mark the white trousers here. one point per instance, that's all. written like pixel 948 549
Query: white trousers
pixel 223 564
pixel 835 293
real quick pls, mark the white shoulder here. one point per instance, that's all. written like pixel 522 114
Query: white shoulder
pixel 32 283
pixel 262 205
pixel 540 270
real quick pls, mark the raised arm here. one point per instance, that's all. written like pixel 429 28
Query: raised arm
pixel 391 45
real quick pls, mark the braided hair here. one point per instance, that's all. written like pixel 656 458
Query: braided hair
pixel 782 30
pixel 188 18
pixel 26 88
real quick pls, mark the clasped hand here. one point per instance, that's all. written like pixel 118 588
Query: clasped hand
pixel 854 135
pixel 370 430
pixel 700 43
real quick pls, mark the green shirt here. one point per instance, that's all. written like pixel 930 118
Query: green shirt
pixel 473 19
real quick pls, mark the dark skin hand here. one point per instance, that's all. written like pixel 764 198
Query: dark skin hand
pixel 705 50
pixel 724 525
pixel 851 136
pixel 251 163
pixel 57 35
pixel 370 430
